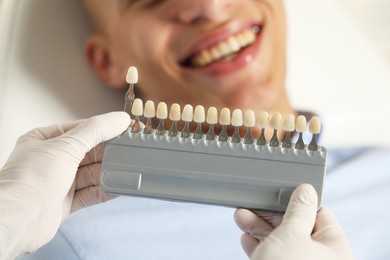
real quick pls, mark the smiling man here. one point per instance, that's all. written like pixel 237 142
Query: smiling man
pixel 220 53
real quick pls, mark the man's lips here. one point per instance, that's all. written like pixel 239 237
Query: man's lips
pixel 226 49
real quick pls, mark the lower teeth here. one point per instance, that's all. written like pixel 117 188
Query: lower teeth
pixel 229 57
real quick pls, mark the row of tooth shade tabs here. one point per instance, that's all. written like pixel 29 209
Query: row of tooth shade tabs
pixel 236 119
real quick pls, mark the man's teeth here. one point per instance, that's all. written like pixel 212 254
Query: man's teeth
pixel 225 50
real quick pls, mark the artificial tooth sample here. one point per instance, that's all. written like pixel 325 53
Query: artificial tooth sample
pixel 263 123
pixel 174 116
pixel 300 127
pixel 149 113
pixel 211 119
pixel 187 117
pixel 314 129
pixel 249 123
pixel 132 79
pixel 199 119
pixel 161 114
pixel 137 110
pixel 224 121
pixel 288 127
pixel 275 123
pixel 237 121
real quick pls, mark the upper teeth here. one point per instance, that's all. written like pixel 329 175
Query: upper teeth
pixel 225 49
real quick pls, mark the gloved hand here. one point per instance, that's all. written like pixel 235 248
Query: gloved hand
pixel 51 172
pixel 302 234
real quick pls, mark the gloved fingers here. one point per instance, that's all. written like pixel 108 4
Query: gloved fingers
pixel 252 224
pixel 93 131
pixel 249 244
pixel 327 228
pixel 88 175
pixel 301 212
pixel 273 218
pixel 95 155
pixel 49 132
pixel 89 196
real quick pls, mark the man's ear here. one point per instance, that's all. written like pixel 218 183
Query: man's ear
pixel 101 60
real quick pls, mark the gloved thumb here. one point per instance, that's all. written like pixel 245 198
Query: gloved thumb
pixel 301 212
pixel 95 130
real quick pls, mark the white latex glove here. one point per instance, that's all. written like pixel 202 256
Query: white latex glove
pixel 302 234
pixel 51 172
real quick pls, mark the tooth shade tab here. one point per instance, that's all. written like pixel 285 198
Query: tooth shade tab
pixel 249 118
pixel 276 121
pixel 174 113
pixel 137 108
pixel 237 119
pixel 132 75
pixel 289 123
pixel 224 117
pixel 188 113
pixel 315 125
pixel 301 124
pixel 149 110
pixel 199 114
pixel 212 116
pixel 263 119
pixel 162 111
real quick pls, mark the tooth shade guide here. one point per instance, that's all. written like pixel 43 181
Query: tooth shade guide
pixel 266 124
pixel 236 120
pixel 236 186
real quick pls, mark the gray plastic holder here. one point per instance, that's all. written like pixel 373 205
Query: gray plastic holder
pixel 211 172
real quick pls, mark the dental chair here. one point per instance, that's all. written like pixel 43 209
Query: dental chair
pixel 45 79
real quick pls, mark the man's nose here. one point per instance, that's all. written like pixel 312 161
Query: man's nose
pixel 194 11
